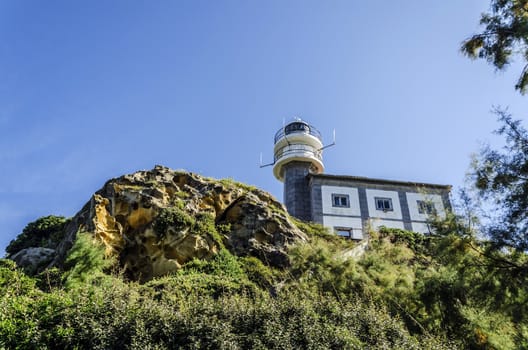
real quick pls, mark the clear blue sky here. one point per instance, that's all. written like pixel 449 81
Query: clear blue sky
pixel 96 89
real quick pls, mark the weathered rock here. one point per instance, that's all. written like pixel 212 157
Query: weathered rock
pixel 31 259
pixel 258 228
pixel 155 221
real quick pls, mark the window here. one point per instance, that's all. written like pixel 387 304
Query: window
pixel 384 204
pixel 425 207
pixel 349 233
pixel 296 127
pixel 343 232
pixel 340 200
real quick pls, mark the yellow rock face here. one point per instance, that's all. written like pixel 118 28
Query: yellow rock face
pixel 125 216
pixel 140 217
pixel 107 229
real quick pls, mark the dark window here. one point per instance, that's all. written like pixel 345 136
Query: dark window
pixel 384 204
pixel 296 127
pixel 425 207
pixel 343 232
pixel 340 200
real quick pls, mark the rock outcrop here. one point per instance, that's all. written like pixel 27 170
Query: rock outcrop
pixel 155 221
pixel 30 259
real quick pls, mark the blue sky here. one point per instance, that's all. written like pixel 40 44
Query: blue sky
pixel 93 90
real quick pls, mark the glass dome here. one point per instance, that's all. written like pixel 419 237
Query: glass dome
pixel 296 127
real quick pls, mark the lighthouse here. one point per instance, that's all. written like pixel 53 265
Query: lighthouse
pixel 346 204
pixel 297 153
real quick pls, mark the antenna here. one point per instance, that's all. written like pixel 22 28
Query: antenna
pixel 330 145
pixel 297 141
pixel 264 165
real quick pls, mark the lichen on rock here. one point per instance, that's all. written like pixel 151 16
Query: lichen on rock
pixel 156 221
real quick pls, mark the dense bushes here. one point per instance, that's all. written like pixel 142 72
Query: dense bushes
pixel 44 232
pixel 441 285
pixel 408 291
pixel 110 313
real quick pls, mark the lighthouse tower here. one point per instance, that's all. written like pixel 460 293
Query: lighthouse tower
pixel 298 152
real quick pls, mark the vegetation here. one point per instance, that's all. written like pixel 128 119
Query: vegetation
pixel 45 232
pixel 229 183
pixel 498 268
pixel 505 35
pixel 172 217
pixel 502 178
pixel 176 218
pixel 86 261
pixel 222 303
pixel 408 291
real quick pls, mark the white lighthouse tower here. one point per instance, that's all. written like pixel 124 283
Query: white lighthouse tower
pixel 297 152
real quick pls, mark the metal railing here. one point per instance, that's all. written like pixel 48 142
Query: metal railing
pixel 310 130
pixel 286 150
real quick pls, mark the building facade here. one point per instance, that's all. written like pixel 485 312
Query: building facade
pixel 351 205
pixel 348 205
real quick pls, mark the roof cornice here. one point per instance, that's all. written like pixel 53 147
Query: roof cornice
pixel 379 181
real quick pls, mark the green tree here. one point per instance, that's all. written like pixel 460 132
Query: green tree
pixel 501 177
pixel 505 35
pixel 46 232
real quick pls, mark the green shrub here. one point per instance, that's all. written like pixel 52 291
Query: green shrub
pixel 313 229
pixel 205 225
pixel 175 288
pixel 85 261
pixel 321 267
pixel 223 229
pixel 14 281
pixel 45 232
pixel 50 279
pixel 260 274
pixel 215 308
pixel 230 183
pixel 172 217
pixel 223 264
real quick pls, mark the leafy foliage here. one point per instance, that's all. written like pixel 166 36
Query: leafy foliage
pixel 224 264
pixel 85 261
pixel 44 232
pixel 169 313
pixel 172 217
pixel 205 225
pixel 407 291
pixel 438 285
pixel 316 230
pixel 176 218
pixel 229 182
pixel 505 35
pixel 502 177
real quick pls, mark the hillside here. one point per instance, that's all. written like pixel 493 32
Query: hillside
pixel 169 259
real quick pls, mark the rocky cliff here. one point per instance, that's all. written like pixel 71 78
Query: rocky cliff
pixel 155 221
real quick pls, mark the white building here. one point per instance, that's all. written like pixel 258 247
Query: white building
pixel 348 204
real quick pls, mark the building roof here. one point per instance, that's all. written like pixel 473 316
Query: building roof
pixel 379 181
